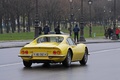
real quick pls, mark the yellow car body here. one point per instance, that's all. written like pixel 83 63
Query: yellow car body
pixel 53 48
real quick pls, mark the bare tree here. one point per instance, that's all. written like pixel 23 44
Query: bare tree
pixel 1 13
pixel 21 13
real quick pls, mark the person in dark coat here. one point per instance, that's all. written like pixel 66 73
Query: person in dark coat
pixel 76 32
pixel 46 29
pixel 110 32
pixel 57 30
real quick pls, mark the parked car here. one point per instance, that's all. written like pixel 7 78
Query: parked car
pixel 53 48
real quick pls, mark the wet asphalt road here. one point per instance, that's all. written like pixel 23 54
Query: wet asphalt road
pixel 103 64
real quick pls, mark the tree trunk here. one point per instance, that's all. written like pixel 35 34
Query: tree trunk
pixel 18 23
pixel 29 23
pixel 13 23
pixel 7 23
pixel 24 23
pixel 1 29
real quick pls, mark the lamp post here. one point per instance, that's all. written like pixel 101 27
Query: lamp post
pixel 71 15
pixel 82 24
pixel 114 22
pixel 36 22
pixel 90 28
pixel 104 18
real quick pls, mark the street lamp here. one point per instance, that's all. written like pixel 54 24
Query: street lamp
pixel 36 22
pixel 114 22
pixel 71 15
pixel 104 18
pixel 82 24
pixel 109 17
pixel 90 28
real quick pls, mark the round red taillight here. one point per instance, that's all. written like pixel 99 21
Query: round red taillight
pixel 26 52
pixel 54 52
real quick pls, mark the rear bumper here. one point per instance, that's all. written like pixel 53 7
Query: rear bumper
pixel 42 59
pixel 58 56
pixel 50 56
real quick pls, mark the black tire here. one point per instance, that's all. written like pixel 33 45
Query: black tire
pixel 27 64
pixel 67 61
pixel 84 59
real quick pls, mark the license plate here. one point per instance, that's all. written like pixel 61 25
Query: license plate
pixel 40 54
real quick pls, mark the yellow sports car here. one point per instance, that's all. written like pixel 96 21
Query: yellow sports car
pixel 53 48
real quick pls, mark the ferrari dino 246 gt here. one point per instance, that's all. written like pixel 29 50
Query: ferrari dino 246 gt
pixel 53 48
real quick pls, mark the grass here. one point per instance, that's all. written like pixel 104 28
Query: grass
pixel 97 31
pixel 17 36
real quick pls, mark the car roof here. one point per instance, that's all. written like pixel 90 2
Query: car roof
pixel 52 35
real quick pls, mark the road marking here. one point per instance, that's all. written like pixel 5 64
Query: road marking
pixel 103 50
pixel 13 64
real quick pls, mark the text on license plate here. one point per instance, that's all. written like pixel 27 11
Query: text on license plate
pixel 40 54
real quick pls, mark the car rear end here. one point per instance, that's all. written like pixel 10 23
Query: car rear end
pixel 41 54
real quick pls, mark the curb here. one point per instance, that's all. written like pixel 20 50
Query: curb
pixel 3 47
pixel 92 42
pixel 10 47
pixel 100 42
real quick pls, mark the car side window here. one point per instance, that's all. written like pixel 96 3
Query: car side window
pixel 70 41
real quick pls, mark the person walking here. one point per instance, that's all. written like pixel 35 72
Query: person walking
pixel 46 29
pixel 117 31
pixel 76 32
pixel 57 30
pixel 110 32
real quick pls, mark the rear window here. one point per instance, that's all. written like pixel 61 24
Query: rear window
pixel 57 39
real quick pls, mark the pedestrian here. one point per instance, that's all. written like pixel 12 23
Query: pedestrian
pixel 76 32
pixel 117 31
pixel 57 30
pixel 110 32
pixel 46 29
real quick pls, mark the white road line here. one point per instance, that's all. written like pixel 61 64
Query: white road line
pixel 13 64
pixel 104 51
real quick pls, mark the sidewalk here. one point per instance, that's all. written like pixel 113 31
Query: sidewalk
pixel 100 40
pixel 10 44
pixel 21 43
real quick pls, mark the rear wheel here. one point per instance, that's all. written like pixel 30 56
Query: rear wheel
pixel 27 64
pixel 67 61
pixel 85 58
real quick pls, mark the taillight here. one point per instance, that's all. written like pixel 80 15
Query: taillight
pixel 24 52
pixel 56 52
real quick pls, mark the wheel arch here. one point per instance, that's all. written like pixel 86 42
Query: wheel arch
pixel 86 50
pixel 71 52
